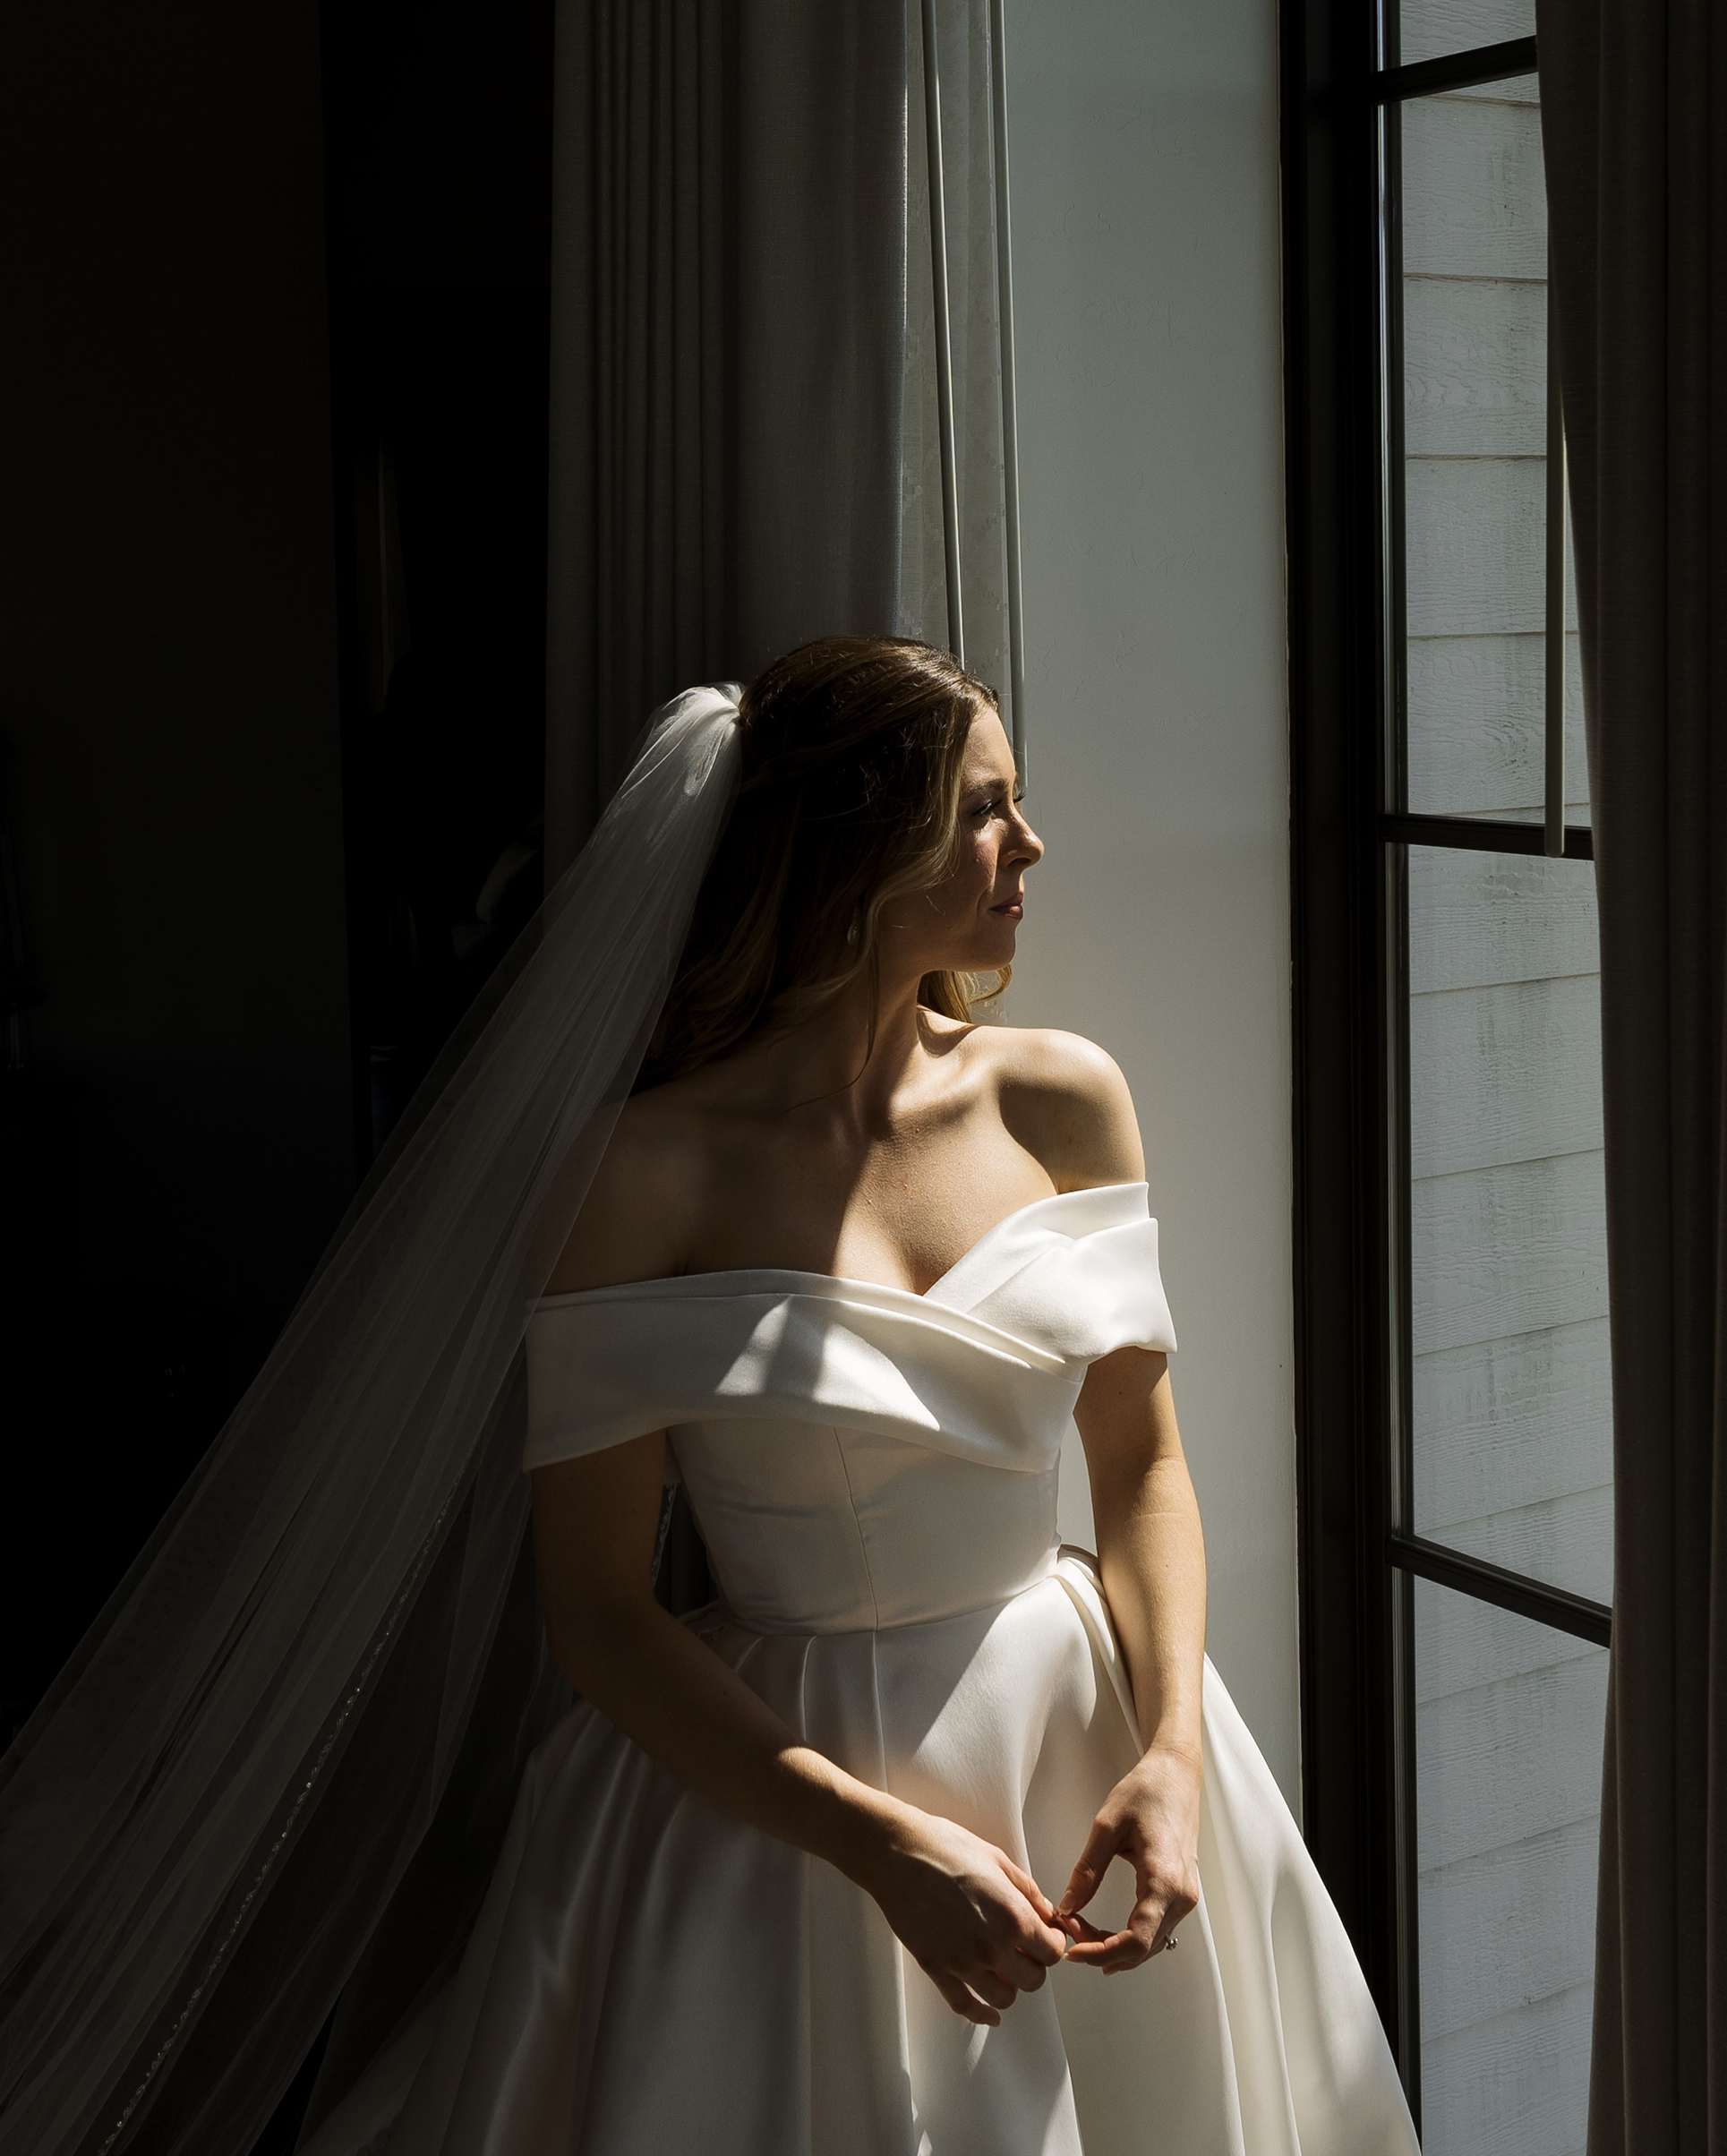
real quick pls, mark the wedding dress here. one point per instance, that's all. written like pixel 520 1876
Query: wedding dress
pixel 875 1475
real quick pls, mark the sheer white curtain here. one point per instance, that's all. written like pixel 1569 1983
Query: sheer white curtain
pixel 966 55
pixel 728 361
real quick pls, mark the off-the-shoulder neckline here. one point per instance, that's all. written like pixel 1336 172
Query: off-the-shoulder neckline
pixel 694 1282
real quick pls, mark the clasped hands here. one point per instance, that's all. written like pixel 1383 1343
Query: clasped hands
pixel 983 1931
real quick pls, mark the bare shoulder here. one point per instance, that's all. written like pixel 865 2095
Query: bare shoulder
pixel 1066 1100
pixel 636 1219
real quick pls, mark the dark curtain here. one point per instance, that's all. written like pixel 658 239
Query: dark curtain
pixel 1634 100
pixel 728 355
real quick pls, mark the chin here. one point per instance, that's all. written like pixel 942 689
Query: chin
pixel 996 953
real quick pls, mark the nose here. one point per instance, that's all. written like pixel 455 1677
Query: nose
pixel 1023 842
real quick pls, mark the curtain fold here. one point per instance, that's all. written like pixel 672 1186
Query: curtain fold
pixel 1634 100
pixel 968 159
pixel 728 355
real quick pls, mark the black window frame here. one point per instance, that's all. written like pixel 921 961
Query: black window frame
pixel 1350 832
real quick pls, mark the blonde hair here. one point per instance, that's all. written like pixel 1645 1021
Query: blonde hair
pixel 853 748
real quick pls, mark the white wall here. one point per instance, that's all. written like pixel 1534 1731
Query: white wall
pixel 1146 258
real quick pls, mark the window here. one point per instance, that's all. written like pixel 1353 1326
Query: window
pixel 1456 1426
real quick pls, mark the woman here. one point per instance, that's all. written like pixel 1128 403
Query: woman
pixel 826 1868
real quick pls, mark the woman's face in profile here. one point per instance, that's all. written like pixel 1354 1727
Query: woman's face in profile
pixel 967 922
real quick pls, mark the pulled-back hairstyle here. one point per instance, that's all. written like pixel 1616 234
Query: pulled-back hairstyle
pixel 853 753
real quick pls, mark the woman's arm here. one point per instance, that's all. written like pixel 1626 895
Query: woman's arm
pixel 1153 1555
pixel 976 1925
pixel 1068 1104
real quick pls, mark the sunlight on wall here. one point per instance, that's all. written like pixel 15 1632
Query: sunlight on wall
pixel 1145 210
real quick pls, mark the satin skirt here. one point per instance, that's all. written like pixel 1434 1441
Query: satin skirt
pixel 648 1976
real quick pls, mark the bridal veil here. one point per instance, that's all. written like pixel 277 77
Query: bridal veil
pixel 289 1745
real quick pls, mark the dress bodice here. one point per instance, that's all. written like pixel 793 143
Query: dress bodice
pixel 857 1455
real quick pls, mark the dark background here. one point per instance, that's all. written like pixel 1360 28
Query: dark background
pixel 271 687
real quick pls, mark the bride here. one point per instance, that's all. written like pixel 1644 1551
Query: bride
pixel 928 1836
pixel 849 1261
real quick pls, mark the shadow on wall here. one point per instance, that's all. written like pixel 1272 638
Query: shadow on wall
pixel 176 1139
pixel 254 252
pixel 437 138
pixel 114 1385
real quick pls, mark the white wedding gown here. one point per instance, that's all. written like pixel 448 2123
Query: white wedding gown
pixel 874 1473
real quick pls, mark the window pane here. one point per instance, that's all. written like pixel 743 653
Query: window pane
pixel 1511 1376
pixel 1474 390
pixel 1432 26
pixel 1509 1729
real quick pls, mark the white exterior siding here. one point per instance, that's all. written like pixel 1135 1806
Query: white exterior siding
pixel 1510 1377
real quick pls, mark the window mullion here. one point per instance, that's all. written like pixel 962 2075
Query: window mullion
pixel 1457 71
pixel 1554 781
pixel 1482 834
pixel 1396 1403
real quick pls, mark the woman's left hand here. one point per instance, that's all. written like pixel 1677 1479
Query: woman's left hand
pixel 1151 1819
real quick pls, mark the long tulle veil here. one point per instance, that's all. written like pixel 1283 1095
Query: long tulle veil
pixel 287 1747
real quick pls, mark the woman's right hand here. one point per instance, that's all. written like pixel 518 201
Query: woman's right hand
pixel 978 1927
